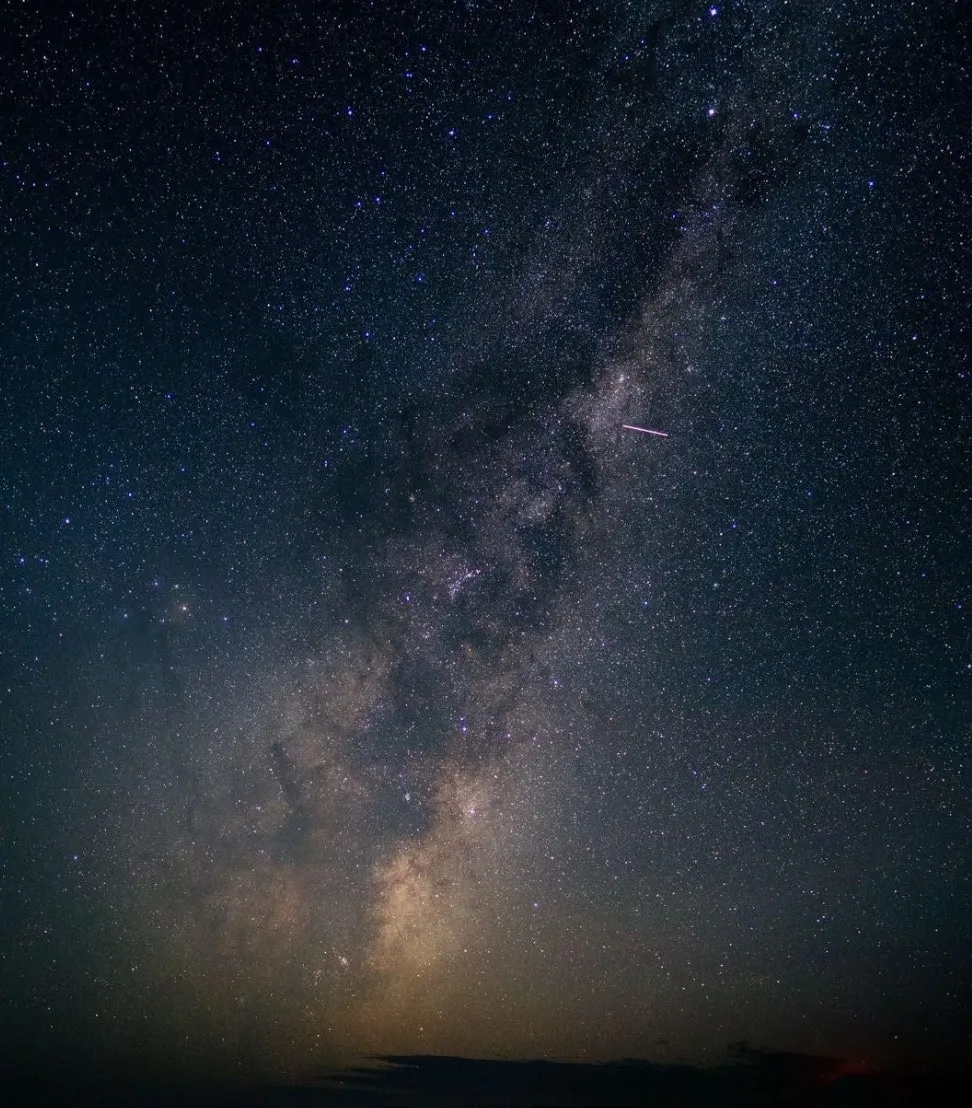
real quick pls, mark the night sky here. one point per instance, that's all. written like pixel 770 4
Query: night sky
pixel 366 685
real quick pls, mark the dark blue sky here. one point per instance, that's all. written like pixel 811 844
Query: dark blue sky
pixel 365 685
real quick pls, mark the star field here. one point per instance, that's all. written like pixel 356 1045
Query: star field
pixel 367 684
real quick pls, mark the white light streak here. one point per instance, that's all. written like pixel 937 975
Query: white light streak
pixel 644 430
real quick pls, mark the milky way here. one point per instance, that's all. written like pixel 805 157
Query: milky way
pixel 375 688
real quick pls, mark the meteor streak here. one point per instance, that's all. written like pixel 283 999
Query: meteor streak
pixel 644 430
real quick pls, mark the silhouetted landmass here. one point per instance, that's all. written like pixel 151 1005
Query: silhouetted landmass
pixel 751 1078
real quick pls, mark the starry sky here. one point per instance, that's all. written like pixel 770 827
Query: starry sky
pixel 368 683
